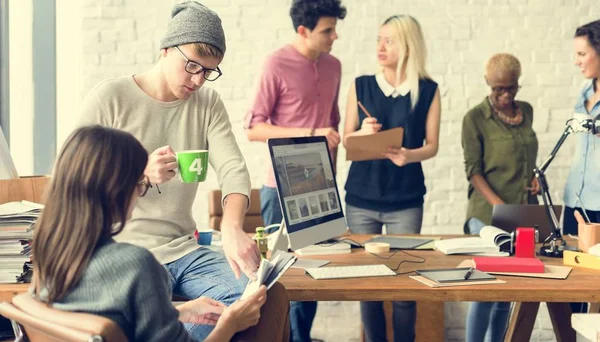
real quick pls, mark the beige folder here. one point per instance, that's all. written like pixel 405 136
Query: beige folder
pixel 371 147
pixel 550 271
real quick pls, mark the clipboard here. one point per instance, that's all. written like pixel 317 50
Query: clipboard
pixel 371 147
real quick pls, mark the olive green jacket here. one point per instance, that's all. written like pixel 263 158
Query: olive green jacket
pixel 505 156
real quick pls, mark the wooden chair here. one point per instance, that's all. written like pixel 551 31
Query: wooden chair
pixel 215 211
pixel 31 189
pixel 41 323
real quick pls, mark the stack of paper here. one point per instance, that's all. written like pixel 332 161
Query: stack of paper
pixel 7 166
pixel 269 271
pixel 16 233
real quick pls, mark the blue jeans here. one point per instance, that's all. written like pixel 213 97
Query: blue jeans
pixel 204 272
pixel 302 314
pixel 407 221
pixel 485 319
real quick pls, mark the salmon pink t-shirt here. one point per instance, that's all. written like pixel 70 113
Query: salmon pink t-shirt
pixel 295 91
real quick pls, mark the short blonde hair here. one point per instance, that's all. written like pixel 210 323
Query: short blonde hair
pixel 503 64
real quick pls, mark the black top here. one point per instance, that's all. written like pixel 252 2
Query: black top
pixel 380 185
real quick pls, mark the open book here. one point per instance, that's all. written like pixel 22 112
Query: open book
pixel 269 271
pixel 492 241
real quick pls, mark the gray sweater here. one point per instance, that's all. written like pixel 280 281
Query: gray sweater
pixel 126 284
pixel 163 223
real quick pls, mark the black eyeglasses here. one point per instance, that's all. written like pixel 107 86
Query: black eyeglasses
pixel 501 90
pixel 195 68
pixel 144 185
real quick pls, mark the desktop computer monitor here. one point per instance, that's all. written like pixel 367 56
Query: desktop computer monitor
pixel 310 201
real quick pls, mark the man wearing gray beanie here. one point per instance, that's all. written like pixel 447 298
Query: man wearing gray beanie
pixel 167 110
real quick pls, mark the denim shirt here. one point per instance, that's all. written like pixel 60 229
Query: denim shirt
pixel 584 177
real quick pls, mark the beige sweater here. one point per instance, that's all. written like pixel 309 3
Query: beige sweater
pixel 163 223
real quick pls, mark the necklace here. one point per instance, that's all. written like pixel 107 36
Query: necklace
pixel 511 121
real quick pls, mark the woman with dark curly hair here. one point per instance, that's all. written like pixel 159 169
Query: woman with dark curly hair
pixel 297 95
pixel 583 182
pixel 586 164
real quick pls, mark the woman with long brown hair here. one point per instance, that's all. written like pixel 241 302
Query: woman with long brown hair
pixel 79 267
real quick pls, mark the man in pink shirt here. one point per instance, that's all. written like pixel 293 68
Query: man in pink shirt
pixel 298 96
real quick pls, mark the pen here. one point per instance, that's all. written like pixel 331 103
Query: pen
pixel 468 274
pixel 364 109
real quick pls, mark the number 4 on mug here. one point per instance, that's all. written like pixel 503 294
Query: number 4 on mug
pixel 192 165
pixel 196 166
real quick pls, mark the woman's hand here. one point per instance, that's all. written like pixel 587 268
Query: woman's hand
pixel 535 187
pixel 244 313
pixel 399 156
pixel 202 310
pixel 369 126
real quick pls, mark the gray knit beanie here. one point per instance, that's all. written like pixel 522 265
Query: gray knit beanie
pixel 192 22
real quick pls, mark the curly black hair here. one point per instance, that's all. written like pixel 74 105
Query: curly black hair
pixel 308 12
pixel 592 32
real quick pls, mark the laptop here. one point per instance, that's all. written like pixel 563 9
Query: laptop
pixel 509 217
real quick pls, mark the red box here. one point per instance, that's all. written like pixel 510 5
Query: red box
pixel 508 264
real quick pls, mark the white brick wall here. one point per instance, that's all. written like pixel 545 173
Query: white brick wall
pixel 121 37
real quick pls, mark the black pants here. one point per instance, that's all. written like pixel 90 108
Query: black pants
pixel 569 223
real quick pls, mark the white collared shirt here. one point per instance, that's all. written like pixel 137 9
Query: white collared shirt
pixel 388 89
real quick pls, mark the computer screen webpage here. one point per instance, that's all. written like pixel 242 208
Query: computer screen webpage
pixel 306 183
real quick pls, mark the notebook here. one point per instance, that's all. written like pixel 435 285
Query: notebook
pixel 453 275
pixel 490 240
pixel 432 283
pixel 269 271
pixel 372 146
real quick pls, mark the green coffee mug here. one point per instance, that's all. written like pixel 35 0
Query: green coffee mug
pixel 193 165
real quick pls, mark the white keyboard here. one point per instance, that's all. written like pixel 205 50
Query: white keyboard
pixel 339 272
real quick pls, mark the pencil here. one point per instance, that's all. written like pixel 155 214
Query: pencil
pixel 364 109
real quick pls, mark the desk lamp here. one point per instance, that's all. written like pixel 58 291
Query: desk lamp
pixel 554 245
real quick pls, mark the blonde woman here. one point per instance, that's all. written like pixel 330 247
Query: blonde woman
pixel 390 191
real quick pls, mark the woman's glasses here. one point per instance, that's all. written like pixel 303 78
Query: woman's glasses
pixel 501 90
pixel 144 185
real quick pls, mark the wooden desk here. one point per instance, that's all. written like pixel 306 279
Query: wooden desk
pixel 580 286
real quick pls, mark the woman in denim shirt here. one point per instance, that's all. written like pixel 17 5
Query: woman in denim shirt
pixel 582 190
pixel 583 184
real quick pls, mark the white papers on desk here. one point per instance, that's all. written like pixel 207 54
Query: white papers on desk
pixel 7 165
pixel 16 233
